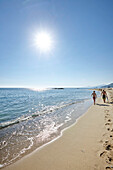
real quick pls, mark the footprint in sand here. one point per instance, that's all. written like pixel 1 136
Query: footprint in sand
pixel 103 154
pixel 107 124
pixel 101 141
pixel 110 159
pixel 108 147
pixel 108 167
pixel 104 134
pixel 106 117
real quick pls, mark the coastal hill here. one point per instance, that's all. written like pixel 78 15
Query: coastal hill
pixel 104 86
pixel 108 86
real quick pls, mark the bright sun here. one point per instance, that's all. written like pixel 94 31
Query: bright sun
pixel 43 41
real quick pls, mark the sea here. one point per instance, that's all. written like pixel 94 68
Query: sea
pixel 31 118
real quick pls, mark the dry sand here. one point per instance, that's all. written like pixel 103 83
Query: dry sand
pixel 87 145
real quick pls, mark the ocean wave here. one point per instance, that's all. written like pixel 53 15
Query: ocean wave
pixel 39 113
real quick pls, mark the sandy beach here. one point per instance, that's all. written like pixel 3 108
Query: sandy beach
pixel 87 145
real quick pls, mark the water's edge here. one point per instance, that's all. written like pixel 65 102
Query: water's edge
pixel 51 141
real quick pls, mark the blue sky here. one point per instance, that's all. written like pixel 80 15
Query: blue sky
pixel 82 53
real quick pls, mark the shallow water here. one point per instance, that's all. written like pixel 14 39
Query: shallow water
pixel 29 119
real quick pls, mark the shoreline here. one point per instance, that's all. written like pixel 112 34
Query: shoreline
pixel 80 146
pixel 87 103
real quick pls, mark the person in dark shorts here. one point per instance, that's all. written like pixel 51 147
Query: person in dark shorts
pixel 104 95
pixel 94 96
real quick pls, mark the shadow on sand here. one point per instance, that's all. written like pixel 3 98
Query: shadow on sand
pixel 111 102
pixel 102 104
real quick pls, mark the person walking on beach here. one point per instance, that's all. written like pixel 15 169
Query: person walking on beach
pixel 104 95
pixel 94 96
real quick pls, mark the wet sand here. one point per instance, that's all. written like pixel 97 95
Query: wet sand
pixel 87 145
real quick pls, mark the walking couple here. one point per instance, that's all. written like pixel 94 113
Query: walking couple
pixel 103 94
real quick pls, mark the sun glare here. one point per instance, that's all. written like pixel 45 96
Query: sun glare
pixel 43 41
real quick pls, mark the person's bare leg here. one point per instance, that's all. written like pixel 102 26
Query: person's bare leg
pixel 94 101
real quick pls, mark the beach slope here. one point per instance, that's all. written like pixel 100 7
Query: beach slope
pixel 87 145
